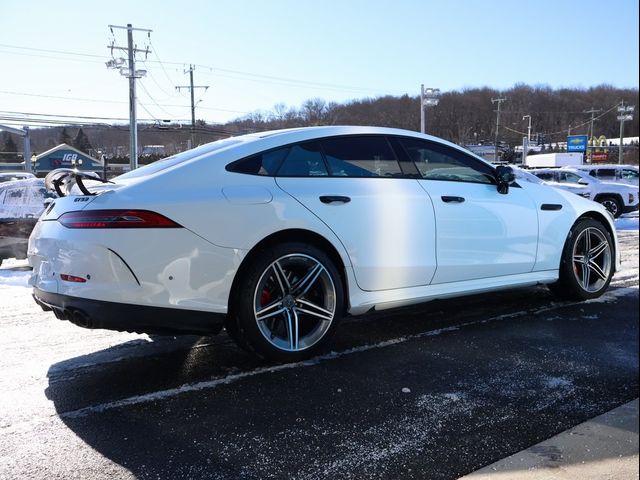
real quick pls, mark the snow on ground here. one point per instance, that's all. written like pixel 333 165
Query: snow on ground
pixel 15 273
pixel 627 222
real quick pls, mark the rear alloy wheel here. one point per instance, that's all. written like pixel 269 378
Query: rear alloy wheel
pixel 289 303
pixel 587 262
pixel 613 205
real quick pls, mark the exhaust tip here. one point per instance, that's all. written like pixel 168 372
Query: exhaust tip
pixel 81 319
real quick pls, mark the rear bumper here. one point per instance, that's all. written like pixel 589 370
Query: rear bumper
pixel 128 318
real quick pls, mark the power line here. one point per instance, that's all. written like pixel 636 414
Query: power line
pixel 234 73
pixel 153 99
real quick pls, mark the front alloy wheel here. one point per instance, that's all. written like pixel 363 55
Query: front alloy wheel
pixel 592 259
pixel 587 262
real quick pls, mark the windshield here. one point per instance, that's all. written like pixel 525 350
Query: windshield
pixel 526 176
pixel 180 158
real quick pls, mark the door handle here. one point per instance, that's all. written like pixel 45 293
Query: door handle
pixel 334 199
pixel 451 199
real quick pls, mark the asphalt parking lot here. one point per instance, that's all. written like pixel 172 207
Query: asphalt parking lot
pixel 429 392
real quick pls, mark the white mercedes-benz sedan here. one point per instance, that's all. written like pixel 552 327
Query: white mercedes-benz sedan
pixel 277 235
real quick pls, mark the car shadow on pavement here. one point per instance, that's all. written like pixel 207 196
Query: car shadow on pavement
pixel 479 392
pixel 103 397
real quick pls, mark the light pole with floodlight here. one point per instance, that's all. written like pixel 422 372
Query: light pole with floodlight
pixel 428 98
pixel 528 128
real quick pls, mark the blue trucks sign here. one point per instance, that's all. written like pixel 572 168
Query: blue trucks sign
pixel 577 143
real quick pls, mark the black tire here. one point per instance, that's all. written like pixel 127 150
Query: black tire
pixel 612 204
pixel 587 262
pixel 288 303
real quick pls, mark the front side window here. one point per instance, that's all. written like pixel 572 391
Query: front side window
pixel 568 177
pixel 360 156
pixel 629 174
pixel 440 162
pixel 546 176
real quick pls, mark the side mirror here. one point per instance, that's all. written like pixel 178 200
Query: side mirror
pixel 582 181
pixel 504 177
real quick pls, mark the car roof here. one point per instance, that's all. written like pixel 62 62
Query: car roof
pixel 292 135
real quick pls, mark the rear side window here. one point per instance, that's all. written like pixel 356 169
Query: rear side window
pixel 605 173
pixel 440 162
pixel 304 160
pixel 265 163
pixel 360 156
pixel 629 174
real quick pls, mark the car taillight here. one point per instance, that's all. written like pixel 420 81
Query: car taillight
pixel 72 278
pixel 116 219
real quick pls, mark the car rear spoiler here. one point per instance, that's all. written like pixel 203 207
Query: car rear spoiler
pixel 62 181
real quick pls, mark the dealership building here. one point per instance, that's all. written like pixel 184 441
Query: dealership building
pixel 65 156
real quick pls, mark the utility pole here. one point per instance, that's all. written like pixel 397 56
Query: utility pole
pixel 593 112
pixel 624 114
pixel 191 87
pixel 499 102
pixel 132 74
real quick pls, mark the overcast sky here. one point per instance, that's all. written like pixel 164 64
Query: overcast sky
pixel 255 54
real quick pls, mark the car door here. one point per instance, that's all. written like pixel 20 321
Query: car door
pixel 355 185
pixel 480 232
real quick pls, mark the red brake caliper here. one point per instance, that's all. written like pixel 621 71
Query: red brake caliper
pixel 265 297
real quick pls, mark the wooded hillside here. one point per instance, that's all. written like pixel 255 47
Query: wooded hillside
pixel 463 117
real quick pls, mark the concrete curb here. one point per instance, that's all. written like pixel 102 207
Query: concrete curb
pixel 603 448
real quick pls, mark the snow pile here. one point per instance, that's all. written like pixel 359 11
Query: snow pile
pixel 15 273
pixel 627 222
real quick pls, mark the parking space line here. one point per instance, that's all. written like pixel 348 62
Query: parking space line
pixel 611 295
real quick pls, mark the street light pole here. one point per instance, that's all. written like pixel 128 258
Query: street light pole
pixel 528 128
pixel 428 98
pixel 624 114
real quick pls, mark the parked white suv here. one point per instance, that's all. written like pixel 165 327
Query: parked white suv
pixel 612 173
pixel 618 198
